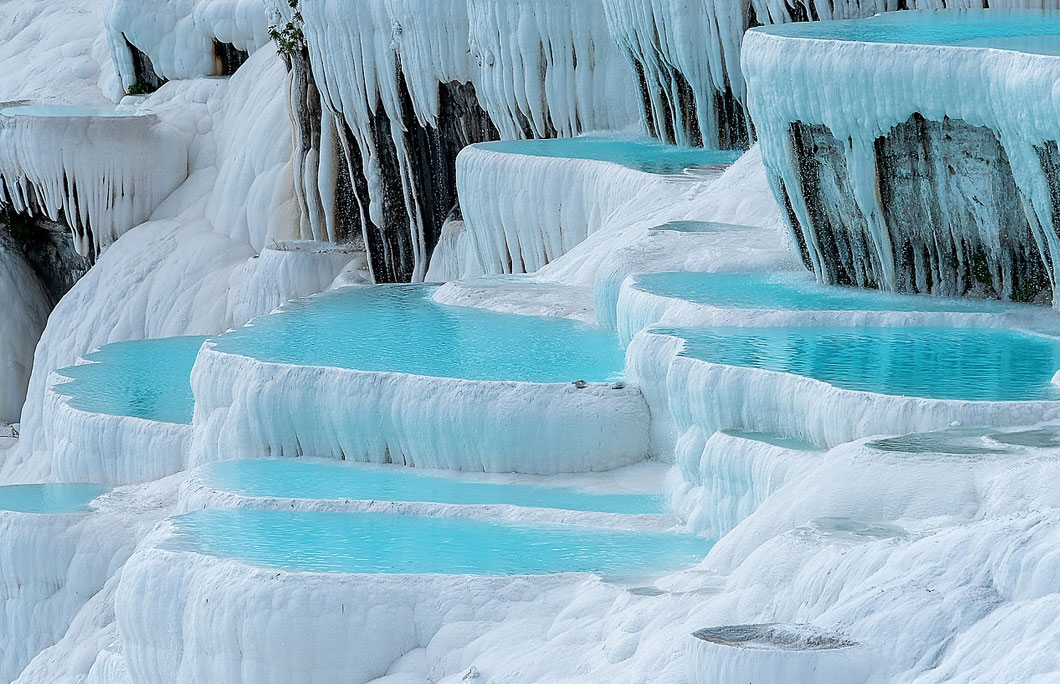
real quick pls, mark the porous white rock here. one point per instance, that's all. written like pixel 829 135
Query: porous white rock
pixel 522 212
pixel 109 449
pixel 102 175
pixel 721 478
pixel 211 619
pixel 178 36
pixel 52 565
pixel 54 52
pixel 246 408
pixel 839 85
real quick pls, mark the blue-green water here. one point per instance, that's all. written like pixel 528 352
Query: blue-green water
pixel 148 379
pixel 971 441
pixel 399 328
pixel 936 363
pixel 412 544
pixel 308 480
pixel 773 440
pixel 49 498
pixel 700 227
pixel 796 292
pixel 955 442
pixel 60 110
pixel 983 28
pixel 641 154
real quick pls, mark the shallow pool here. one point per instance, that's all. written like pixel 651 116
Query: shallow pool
pixel 399 328
pixel 49 498
pixel 797 292
pixel 970 441
pixel 148 379
pixel 60 110
pixel 1003 29
pixel 310 480
pixel 641 154
pixel 936 363
pixel 411 544
pixel 772 439
pixel 701 227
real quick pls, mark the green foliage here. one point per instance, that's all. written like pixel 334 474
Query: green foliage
pixel 140 89
pixel 289 38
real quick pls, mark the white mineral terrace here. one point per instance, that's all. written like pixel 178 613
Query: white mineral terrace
pixel 1002 79
pixel 410 419
pixel 625 437
pixel 100 171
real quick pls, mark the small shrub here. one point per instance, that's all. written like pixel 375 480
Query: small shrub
pixel 289 38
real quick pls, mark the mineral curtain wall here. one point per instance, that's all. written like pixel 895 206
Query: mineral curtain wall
pixel 950 189
pixel 403 86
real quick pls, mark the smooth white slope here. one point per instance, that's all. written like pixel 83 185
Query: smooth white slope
pixel 22 321
pixel 194 268
pixel 53 51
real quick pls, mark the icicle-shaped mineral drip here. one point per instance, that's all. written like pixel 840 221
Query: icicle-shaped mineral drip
pixel 103 174
pixel 985 210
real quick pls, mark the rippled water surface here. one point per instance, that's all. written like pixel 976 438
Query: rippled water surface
pixel 148 379
pixel 309 480
pixel 49 498
pixel 797 292
pixel 411 544
pixel 1033 31
pixel 937 363
pixel 399 328
pixel 641 154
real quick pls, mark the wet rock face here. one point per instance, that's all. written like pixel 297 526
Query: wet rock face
pixel 952 217
pixel 394 250
pixel 146 79
pixel 227 58
pixel 838 232
pixel 1049 158
pixel 48 248
pixel 948 193
pixel 670 109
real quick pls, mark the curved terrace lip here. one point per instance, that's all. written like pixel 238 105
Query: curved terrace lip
pixel 278 570
pixel 17 109
pixel 211 345
pixel 615 384
pixel 172 536
pixel 82 504
pixel 669 332
pixel 803 284
pixel 846 30
pixel 536 148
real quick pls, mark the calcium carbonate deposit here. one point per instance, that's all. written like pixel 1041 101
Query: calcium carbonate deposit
pixel 529 341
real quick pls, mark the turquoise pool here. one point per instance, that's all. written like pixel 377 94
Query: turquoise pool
pixel 641 154
pixel 981 28
pixel 60 110
pixel 399 328
pixel 411 544
pixel 148 379
pixel 310 480
pixel 49 498
pixel 935 363
pixel 797 292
